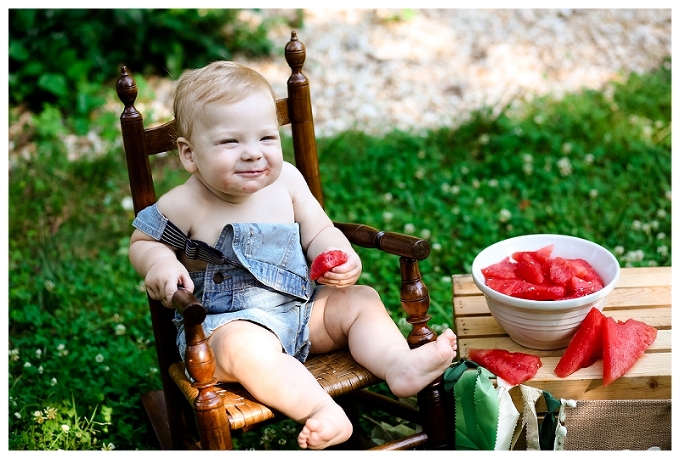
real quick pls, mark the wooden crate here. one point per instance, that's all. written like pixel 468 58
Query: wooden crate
pixel 641 293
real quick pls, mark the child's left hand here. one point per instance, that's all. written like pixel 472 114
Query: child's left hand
pixel 345 274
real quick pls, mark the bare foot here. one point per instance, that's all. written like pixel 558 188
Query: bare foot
pixel 414 369
pixel 327 425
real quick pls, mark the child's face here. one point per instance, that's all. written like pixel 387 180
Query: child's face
pixel 235 149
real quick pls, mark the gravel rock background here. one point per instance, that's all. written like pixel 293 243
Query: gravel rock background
pixel 380 69
pixel 376 70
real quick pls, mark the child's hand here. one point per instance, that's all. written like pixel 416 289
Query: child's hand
pixel 163 278
pixel 345 274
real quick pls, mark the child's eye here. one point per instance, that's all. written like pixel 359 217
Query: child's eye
pixel 269 137
pixel 226 141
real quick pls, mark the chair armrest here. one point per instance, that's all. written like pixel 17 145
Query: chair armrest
pixel 393 243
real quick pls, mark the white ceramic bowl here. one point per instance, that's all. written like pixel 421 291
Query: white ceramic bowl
pixel 537 324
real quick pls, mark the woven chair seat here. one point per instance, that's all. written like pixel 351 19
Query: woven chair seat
pixel 337 373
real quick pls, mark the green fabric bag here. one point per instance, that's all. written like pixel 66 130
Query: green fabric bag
pixel 486 418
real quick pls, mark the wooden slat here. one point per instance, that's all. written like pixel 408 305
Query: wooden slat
pixel 486 325
pixel 641 293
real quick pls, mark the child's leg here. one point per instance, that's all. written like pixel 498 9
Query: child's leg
pixel 252 355
pixel 356 317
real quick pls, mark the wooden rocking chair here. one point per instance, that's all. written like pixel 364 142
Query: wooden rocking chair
pixel 204 414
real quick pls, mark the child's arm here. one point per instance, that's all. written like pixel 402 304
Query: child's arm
pixel 318 233
pixel 159 266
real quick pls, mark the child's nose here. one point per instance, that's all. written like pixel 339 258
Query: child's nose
pixel 251 152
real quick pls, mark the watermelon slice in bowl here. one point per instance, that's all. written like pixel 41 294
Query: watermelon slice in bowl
pixel 542 322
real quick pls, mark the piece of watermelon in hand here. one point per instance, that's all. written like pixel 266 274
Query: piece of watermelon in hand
pixel 623 343
pixel 514 367
pixel 326 261
pixel 585 348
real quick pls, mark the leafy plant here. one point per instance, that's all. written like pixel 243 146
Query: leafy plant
pixel 61 57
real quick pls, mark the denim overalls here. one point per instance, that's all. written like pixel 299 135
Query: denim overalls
pixel 268 284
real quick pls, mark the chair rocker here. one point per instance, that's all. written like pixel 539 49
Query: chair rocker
pixel 205 413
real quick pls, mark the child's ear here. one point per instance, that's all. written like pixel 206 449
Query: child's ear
pixel 186 155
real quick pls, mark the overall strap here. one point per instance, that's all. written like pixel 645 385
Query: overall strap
pixel 193 249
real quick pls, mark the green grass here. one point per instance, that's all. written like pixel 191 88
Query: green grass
pixel 594 164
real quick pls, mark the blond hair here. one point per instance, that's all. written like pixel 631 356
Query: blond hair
pixel 221 81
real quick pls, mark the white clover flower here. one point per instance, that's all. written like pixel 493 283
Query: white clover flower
pixel 527 158
pixel 40 370
pixel 661 213
pixel 527 168
pixel 636 225
pixel 50 412
pixel 661 236
pixel 669 194
pixel 409 228
pixel 39 418
pixel 38 353
pixel 387 197
pixel 17 415
pixel 53 382
pixel 421 154
pixel 65 428
pixel 493 183
pixel 566 148
pixel 120 329
pixel 99 358
pixel 455 189
pixel 484 138
pixel 126 203
pixel 518 131
pixel 589 158
pixel 387 216
pixel 425 233
pixel 662 250
pixel 436 246
pixel 539 119
pixel 464 170
pixel 593 193
pixel 446 279
pixel 504 215
pixel 564 165
pixel 445 187
pixel 420 173
pixel 27 365
pixel 14 354
pixel 475 183
pixel 455 210
pixel 618 250
pixel 49 285
pixel 479 201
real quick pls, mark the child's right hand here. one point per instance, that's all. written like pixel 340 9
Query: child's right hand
pixel 163 278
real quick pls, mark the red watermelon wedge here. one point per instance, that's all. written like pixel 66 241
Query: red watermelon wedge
pixel 585 348
pixel 504 269
pixel 326 261
pixel 623 343
pixel 514 367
